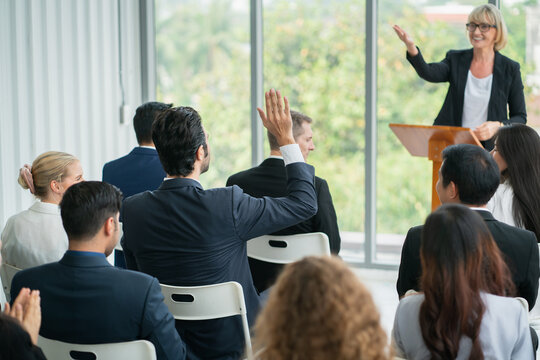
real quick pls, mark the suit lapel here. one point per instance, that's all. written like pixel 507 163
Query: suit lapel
pixel 497 76
pixel 462 73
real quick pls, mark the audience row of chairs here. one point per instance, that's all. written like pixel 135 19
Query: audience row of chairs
pixel 193 302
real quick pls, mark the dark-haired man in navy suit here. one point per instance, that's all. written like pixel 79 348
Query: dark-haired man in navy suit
pixel 140 170
pixel 83 298
pixel 188 236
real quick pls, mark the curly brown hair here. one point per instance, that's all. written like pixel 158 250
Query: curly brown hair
pixel 318 309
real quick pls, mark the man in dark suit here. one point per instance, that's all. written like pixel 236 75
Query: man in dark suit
pixel 270 179
pixel 83 298
pixel 140 170
pixel 185 235
pixel 470 176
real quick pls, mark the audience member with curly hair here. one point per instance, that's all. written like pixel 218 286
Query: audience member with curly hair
pixel 318 309
pixel 462 313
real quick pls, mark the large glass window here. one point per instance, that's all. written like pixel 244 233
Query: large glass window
pixel 404 181
pixel 524 47
pixel 203 61
pixel 314 51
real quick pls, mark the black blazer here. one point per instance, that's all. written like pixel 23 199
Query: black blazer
pixel 518 247
pixel 85 300
pixel 185 235
pixel 270 179
pixel 506 88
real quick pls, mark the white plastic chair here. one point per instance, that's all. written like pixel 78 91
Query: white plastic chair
pixel 208 302
pixel 132 350
pixel 284 249
pixel 7 272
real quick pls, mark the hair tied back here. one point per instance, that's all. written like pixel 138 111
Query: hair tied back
pixel 26 174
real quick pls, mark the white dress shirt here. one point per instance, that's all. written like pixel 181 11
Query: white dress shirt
pixel 476 101
pixel 34 237
pixel 501 204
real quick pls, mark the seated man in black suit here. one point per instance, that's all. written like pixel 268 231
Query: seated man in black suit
pixel 269 179
pixel 83 298
pixel 140 170
pixel 470 176
pixel 185 235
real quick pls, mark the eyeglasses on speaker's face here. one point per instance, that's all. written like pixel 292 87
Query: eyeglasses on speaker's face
pixel 471 27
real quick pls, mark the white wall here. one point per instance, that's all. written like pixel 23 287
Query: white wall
pixel 60 87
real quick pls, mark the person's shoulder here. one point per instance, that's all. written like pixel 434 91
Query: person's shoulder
pixel 502 302
pixel 453 54
pixel 36 272
pixel 241 176
pixel 134 278
pixel 514 231
pixel 507 61
pixel 414 232
pixel 408 303
pixel 116 162
pixel 135 199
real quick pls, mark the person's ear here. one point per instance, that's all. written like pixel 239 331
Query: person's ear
pixel 110 226
pixel 453 191
pixel 55 186
pixel 199 155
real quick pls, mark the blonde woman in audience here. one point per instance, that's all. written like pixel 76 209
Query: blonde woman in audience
pixel 461 313
pixel 36 236
pixel 318 309
pixel 517 199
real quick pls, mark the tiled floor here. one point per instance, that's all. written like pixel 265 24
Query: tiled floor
pixel 382 284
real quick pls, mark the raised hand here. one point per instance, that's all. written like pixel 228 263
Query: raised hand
pixel 278 117
pixel 407 40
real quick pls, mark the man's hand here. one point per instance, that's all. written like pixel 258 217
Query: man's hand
pixel 278 117
pixel 26 308
pixel 487 130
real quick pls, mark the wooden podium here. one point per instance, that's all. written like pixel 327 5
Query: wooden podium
pixel 430 141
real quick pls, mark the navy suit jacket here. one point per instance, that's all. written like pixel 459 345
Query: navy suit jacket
pixel 518 247
pixel 506 88
pixel 86 300
pixel 187 236
pixel 138 171
pixel 270 179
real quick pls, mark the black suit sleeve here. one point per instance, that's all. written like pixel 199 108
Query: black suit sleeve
pixel 433 72
pixel 254 217
pixel 326 220
pixel 410 268
pixel 529 288
pixel 131 263
pixel 516 98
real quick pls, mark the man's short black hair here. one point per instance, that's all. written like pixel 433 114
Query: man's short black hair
pixel 474 172
pixel 143 119
pixel 178 133
pixel 86 206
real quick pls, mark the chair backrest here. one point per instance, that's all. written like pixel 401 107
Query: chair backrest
pixel 132 350
pixel 208 302
pixel 7 272
pixel 284 249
